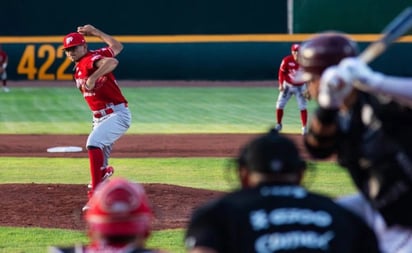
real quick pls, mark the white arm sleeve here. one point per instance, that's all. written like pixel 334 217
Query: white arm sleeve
pixel 398 88
pixel 354 70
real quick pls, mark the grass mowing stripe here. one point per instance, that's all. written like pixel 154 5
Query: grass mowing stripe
pixel 155 110
pixel 205 173
pixel 37 240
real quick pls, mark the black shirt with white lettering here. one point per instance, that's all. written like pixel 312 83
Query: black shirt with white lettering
pixel 278 218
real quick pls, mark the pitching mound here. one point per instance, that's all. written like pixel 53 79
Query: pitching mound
pixel 59 206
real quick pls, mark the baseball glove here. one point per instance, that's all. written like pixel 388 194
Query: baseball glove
pixel 306 95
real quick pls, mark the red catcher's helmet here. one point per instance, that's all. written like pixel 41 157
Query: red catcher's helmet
pixel 294 47
pixel 321 51
pixel 119 207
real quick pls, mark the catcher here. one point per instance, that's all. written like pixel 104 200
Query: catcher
pixel 119 220
pixel 369 133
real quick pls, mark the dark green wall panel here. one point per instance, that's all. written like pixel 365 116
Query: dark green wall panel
pixel 350 16
pixel 193 61
pixel 144 17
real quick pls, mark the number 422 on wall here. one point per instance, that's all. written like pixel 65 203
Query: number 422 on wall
pixel 54 64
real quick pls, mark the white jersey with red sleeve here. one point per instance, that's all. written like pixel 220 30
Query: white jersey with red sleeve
pixel 106 91
pixel 287 70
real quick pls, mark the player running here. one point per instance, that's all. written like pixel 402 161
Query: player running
pixel 95 80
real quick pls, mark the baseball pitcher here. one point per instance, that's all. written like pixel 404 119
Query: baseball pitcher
pixel 95 80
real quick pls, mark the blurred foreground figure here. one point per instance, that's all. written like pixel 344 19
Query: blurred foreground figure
pixel 118 220
pixel 272 212
pixel 368 126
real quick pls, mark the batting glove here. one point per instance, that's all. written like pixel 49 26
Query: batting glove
pixel 335 86
pixel 358 71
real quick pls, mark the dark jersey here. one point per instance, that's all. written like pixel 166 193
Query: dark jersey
pixel 374 143
pixel 278 218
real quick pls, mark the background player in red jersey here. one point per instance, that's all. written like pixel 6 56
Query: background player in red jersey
pixel 289 87
pixel 95 80
pixel 4 60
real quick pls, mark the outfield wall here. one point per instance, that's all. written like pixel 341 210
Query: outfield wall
pixel 190 39
pixel 188 17
pixel 184 58
pixel 350 16
pixel 144 17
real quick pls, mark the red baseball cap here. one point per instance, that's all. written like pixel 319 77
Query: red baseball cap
pixel 294 47
pixel 73 39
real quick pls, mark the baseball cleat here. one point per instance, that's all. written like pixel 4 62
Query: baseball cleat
pixel 107 172
pixel 278 127
pixel 85 208
pixel 304 130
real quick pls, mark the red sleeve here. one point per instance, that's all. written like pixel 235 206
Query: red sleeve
pixel 106 52
pixel 282 72
pixel 3 57
pixel 100 54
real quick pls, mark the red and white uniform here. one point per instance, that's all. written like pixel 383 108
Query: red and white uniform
pixel 111 116
pixel 287 70
pixel 106 90
pixel 3 64
pixel 288 87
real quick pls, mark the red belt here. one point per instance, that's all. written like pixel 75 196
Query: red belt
pixel 103 112
pixel 107 111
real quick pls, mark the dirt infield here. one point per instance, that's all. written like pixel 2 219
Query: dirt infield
pixel 59 206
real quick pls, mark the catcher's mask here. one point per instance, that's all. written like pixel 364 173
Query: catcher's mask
pixel 119 207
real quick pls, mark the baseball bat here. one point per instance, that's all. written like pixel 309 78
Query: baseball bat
pixel 394 30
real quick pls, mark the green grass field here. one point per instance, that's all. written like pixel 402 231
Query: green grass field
pixel 155 110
